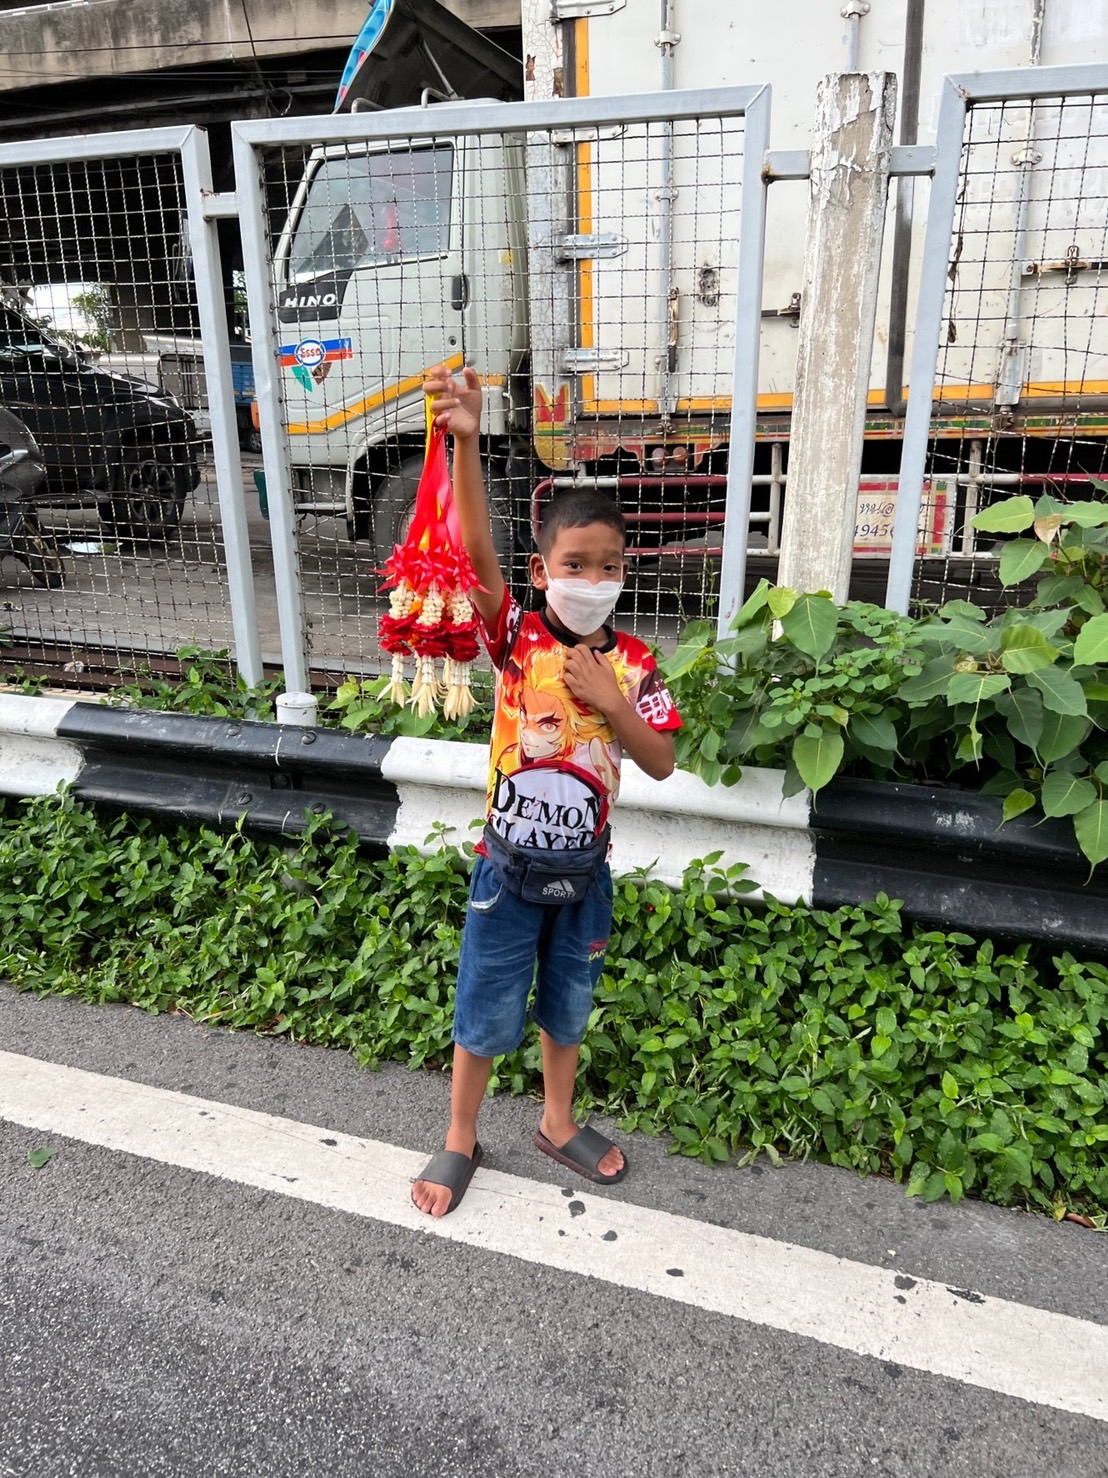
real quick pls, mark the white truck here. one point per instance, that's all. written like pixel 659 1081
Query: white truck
pixel 591 278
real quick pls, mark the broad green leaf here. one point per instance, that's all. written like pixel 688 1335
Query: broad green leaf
pixel 1089 600
pixel 817 760
pixel 1061 692
pixel 709 745
pixel 1065 794
pixel 1091 829
pixel 961 635
pixel 950 1085
pixel 1091 646
pixel 970 746
pixel 929 683
pixel 811 625
pixel 1087 515
pixel 951 608
pixel 991 1143
pixel 1055 588
pixel 1011 516
pixel 1021 559
pixel 1062 733
pixel 1016 802
pixel 1046 505
pixel 683 660
pixel 1101 771
pixel 1024 648
pixel 1023 709
pixel 934 1187
pixel 780 600
pixel 38 1158
pixel 749 643
pixel 975 687
pixel 1050 623
pixel 875 731
pixel 756 601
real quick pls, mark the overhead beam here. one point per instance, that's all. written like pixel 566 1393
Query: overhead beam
pixel 63 43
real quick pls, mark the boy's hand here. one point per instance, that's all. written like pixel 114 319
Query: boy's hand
pixel 591 678
pixel 455 405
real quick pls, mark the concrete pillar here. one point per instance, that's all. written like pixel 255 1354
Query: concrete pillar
pixel 846 215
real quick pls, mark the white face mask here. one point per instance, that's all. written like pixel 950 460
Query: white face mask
pixel 579 605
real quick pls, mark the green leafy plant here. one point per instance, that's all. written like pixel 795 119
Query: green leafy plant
pixel 360 706
pixel 1023 698
pixel 950 1064
pixel 209 687
pixel 800 683
pixel 1015 705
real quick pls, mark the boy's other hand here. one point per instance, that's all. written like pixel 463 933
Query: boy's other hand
pixel 455 404
pixel 591 678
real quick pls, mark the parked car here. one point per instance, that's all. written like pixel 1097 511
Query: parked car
pixel 22 474
pixel 107 442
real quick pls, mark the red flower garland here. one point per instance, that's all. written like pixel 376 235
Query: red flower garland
pixel 430 616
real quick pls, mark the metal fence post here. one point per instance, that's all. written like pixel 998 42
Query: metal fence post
pixel 847 196
pixel 204 244
pixel 259 295
pixel 928 325
pixel 744 383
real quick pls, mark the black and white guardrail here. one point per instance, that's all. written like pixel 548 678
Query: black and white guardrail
pixel 943 852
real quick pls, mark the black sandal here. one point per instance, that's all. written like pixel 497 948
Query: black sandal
pixel 452 1169
pixel 583 1153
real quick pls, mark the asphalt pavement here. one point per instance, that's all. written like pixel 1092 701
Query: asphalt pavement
pixel 159 1319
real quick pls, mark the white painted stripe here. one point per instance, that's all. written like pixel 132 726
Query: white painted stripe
pixel 658 826
pixel 32 760
pixel 1048 1358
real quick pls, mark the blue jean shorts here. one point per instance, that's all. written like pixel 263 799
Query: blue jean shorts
pixel 503 942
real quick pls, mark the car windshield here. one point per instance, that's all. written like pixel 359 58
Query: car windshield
pixel 20 338
pixel 365 209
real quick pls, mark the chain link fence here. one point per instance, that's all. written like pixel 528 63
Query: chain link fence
pixel 588 266
pixel 113 557
pixel 1021 395
pixel 589 274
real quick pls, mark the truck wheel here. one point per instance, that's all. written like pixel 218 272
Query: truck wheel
pixel 148 499
pixel 394 507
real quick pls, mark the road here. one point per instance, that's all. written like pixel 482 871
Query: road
pixel 219 1272
pixel 156 597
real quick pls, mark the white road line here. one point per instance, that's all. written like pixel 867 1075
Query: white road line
pixel 1051 1359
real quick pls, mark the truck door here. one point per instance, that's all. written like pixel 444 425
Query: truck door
pixel 370 278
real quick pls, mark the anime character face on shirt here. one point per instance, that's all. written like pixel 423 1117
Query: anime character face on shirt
pixel 544 724
pixel 550 725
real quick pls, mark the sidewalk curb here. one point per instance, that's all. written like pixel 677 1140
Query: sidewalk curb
pixel 944 853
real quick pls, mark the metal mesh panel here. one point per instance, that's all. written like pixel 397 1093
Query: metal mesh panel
pixel 115 556
pixel 590 277
pixel 1022 385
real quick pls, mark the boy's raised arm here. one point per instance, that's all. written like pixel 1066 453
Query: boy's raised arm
pixel 456 407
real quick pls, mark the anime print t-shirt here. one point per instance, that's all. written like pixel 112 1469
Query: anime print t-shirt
pixel 554 763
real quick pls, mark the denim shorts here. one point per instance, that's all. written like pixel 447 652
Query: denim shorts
pixel 504 940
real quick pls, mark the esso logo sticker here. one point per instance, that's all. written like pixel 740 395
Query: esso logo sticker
pixel 310 353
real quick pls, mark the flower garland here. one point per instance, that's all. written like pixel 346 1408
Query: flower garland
pixel 430 615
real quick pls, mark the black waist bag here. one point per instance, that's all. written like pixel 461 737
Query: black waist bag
pixel 543 876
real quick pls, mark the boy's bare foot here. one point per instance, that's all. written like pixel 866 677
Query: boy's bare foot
pixel 437 1199
pixel 609 1166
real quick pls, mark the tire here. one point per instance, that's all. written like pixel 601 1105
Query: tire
pixel 148 496
pixel 393 508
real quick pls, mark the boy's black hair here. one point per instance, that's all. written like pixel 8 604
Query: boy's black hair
pixel 576 510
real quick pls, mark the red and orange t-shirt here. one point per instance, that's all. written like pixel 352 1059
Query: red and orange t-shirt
pixel 554 764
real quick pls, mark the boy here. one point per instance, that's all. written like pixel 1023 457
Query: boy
pixel 571 695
